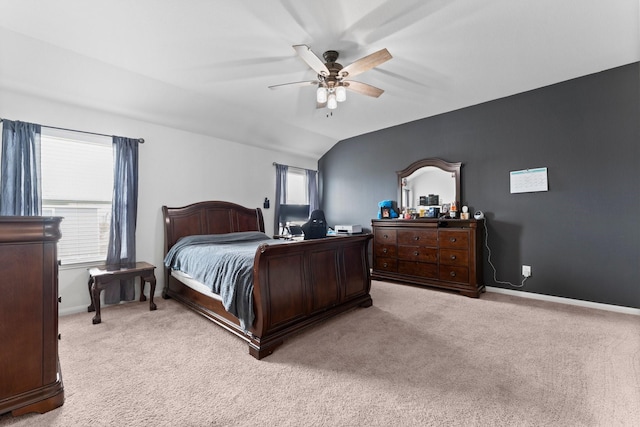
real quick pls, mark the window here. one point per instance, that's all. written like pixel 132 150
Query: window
pixel 77 184
pixel 292 204
pixel 297 187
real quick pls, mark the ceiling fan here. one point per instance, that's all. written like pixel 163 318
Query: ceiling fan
pixel 334 79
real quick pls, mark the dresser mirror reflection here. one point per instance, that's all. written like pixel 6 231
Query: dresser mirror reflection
pixel 426 177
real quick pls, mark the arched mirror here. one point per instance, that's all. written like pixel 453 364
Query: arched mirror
pixel 429 182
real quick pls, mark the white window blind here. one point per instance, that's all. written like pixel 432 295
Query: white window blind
pixel 297 187
pixel 77 184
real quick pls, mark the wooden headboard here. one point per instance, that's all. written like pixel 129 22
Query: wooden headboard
pixel 212 217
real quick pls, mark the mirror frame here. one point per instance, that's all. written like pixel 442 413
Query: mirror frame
pixel 454 168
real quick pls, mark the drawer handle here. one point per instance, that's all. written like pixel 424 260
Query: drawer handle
pixel 416 253
pixel 385 265
pixel 453 257
pixel 452 239
pixel 385 250
pixel 385 236
pixel 452 274
pixel 416 238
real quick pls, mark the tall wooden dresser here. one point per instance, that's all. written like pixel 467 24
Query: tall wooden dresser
pixel 430 252
pixel 30 378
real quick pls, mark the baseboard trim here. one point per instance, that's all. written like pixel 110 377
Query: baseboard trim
pixel 83 308
pixel 530 295
pixel 72 310
pixel 569 301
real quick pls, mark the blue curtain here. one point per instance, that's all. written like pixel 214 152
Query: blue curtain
pixel 122 234
pixel 312 190
pixel 20 169
pixel 281 195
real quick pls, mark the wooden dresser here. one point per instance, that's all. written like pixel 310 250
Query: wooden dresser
pixel 431 252
pixel 30 378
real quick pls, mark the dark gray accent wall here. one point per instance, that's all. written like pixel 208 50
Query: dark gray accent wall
pixel 582 237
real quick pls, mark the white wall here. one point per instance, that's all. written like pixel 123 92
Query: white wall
pixel 176 168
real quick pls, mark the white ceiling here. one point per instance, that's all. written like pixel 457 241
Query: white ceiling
pixel 205 65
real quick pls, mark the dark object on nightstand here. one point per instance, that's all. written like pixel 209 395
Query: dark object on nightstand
pixel 101 277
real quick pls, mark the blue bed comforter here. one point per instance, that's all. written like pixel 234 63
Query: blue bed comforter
pixel 224 262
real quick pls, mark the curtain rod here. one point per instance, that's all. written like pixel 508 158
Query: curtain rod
pixel 294 167
pixel 140 140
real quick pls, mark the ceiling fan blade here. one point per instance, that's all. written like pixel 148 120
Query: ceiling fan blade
pixel 391 17
pixel 311 59
pixel 295 84
pixel 364 89
pixel 366 63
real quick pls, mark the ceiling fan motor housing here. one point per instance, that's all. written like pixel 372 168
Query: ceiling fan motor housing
pixel 331 56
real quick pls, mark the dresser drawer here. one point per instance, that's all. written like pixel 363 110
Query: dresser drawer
pixel 418 238
pixel 386 264
pixel 455 239
pixel 417 253
pixel 452 273
pixel 382 250
pixel 421 269
pixel 385 236
pixel 454 257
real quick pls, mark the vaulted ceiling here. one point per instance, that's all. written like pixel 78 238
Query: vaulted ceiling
pixel 205 65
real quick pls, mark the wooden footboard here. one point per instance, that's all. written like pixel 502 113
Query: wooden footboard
pixel 302 283
pixel 296 285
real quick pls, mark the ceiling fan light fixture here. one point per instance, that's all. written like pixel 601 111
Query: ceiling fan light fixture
pixel 332 102
pixel 341 93
pixel 331 82
pixel 321 95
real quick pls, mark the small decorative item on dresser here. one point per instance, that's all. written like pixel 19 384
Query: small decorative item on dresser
pixel 465 213
pixel 453 210
pixel 434 212
pixel 386 210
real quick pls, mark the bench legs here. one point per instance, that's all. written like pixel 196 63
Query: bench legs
pixel 152 285
pixel 91 307
pixel 96 286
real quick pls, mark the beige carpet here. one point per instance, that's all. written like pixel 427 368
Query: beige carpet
pixel 418 357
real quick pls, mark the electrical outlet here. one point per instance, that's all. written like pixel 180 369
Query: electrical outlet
pixel 526 270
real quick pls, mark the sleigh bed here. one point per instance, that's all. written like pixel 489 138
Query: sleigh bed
pixel 294 284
